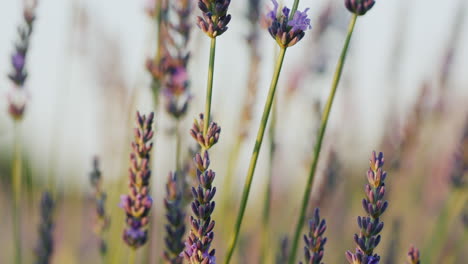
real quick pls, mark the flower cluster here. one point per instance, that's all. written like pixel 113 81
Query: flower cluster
pixel 175 228
pixel 17 99
pixel 137 203
pixel 103 220
pixel 215 18
pixel 413 256
pixel 283 251
pixel 374 205
pixel 171 68
pixel 45 245
pixel 359 7
pixel 287 30
pixel 315 241
pixel 198 244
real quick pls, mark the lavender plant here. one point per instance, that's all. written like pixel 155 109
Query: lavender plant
pixel 287 28
pixel 413 256
pixel 175 227
pixel 198 244
pixel 283 251
pixel 103 220
pixel 315 241
pixel 137 203
pixel 354 6
pixel 45 245
pixel 17 99
pixel 371 225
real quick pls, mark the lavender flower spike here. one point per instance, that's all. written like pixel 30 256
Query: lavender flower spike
pixel 103 219
pixel 315 241
pixel 413 256
pixel 284 30
pixel 137 203
pixel 374 205
pixel 45 245
pixel 359 7
pixel 215 18
pixel 18 97
pixel 198 244
pixel 175 228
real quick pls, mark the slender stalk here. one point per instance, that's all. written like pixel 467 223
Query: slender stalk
pixel 452 208
pixel 132 256
pixel 16 181
pixel 267 201
pixel 256 152
pixel 320 136
pixel 209 85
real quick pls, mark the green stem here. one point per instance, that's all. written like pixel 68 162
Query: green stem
pixel 320 136
pixel 256 151
pixel 209 86
pixel 16 181
pixel 132 256
pixel 267 201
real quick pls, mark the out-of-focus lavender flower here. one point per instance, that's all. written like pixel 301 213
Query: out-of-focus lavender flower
pixel 215 18
pixel 45 245
pixel 198 244
pixel 137 203
pixel 175 228
pixel 315 241
pixel 359 7
pixel 460 163
pixel 283 29
pixel 413 256
pixel 103 220
pixel 283 252
pixel 18 97
pixel 374 205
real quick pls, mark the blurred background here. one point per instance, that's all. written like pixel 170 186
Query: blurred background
pixel 404 92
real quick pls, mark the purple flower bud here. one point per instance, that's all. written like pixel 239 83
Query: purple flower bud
pixel 359 7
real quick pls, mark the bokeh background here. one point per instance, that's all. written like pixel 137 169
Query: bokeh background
pixel 404 92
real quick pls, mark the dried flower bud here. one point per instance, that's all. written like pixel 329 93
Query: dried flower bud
pixel 413 255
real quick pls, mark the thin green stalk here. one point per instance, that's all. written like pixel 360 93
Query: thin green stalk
pixel 256 152
pixel 16 181
pixel 267 201
pixel 209 85
pixel 452 208
pixel 320 136
pixel 132 256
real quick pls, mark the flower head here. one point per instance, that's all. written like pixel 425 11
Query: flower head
pixel 137 203
pixel 215 18
pixel 413 255
pixel 285 30
pixel 315 240
pixel 45 246
pixel 359 7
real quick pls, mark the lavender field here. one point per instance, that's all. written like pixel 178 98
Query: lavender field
pixel 211 131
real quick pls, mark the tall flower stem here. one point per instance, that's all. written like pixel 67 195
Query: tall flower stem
pixel 320 136
pixel 256 152
pixel 17 182
pixel 132 256
pixel 209 85
pixel 267 200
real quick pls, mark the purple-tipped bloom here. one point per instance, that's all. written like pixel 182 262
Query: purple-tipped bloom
pixel 175 227
pixel 45 245
pixel 198 244
pixel 359 7
pixel 370 226
pixel 17 99
pixel 103 220
pixel 283 29
pixel 215 18
pixel 137 203
pixel 413 256
pixel 315 241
